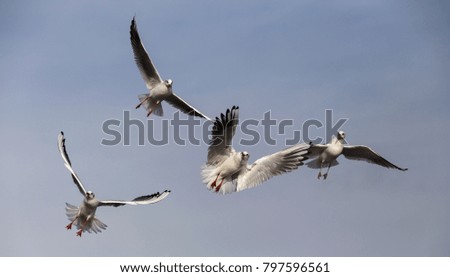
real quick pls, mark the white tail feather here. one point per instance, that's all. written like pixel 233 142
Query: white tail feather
pixel 151 104
pixel 316 163
pixel 209 175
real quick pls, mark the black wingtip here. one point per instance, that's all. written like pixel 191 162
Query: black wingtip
pixel 133 24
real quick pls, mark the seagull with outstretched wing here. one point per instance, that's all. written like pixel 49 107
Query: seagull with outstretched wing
pixel 159 90
pixel 227 171
pixel 84 216
pixel 328 153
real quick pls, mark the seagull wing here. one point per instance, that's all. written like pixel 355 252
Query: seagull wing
pixel 272 165
pixel 68 164
pixel 141 200
pixel 145 65
pixel 317 149
pixel 364 153
pixel 222 135
pixel 183 106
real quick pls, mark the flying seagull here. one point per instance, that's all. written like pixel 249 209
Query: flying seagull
pixel 227 171
pixel 84 216
pixel 328 153
pixel 159 90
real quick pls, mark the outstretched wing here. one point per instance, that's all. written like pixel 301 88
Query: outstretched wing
pixel 141 200
pixel 183 106
pixel 364 153
pixel 220 146
pixel 68 164
pixel 145 65
pixel 272 165
pixel 316 149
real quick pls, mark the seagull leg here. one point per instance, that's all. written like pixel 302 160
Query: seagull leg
pixel 69 226
pixel 219 186
pixel 142 102
pixel 151 109
pixel 326 174
pixel 213 184
pixel 81 228
pixel 320 171
pixel 79 233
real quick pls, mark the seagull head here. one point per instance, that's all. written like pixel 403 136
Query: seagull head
pixel 244 156
pixel 90 195
pixel 168 83
pixel 341 135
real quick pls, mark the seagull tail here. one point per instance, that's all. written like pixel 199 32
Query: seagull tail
pixel 151 104
pixel 97 226
pixel 71 211
pixel 208 175
pixel 316 163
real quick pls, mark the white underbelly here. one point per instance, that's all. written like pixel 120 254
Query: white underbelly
pixel 331 153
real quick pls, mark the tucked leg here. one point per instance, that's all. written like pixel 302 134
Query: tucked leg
pixel 142 102
pixel 219 186
pixel 213 184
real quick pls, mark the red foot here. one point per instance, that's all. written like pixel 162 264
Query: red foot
pixel 68 227
pixel 79 233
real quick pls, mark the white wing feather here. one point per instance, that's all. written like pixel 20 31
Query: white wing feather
pixel 183 106
pixel 141 200
pixel 68 164
pixel 364 153
pixel 144 63
pixel 272 165
pixel 220 146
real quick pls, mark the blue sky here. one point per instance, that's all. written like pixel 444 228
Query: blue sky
pixel 384 65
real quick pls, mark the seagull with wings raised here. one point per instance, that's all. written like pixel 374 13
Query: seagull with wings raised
pixel 84 216
pixel 328 153
pixel 227 171
pixel 159 90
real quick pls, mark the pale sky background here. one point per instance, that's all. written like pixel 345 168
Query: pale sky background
pixel 385 65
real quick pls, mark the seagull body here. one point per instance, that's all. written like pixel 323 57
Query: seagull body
pixel 332 151
pixel 228 171
pixel 328 153
pixel 83 217
pixel 159 90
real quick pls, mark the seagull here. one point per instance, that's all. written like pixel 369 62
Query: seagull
pixel 328 153
pixel 227 171
pixel 84 216
pixel 159 90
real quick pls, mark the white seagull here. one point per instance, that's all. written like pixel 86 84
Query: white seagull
pixel 84 216
pixel 159 90
pixel 227 171
pixel 328 153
